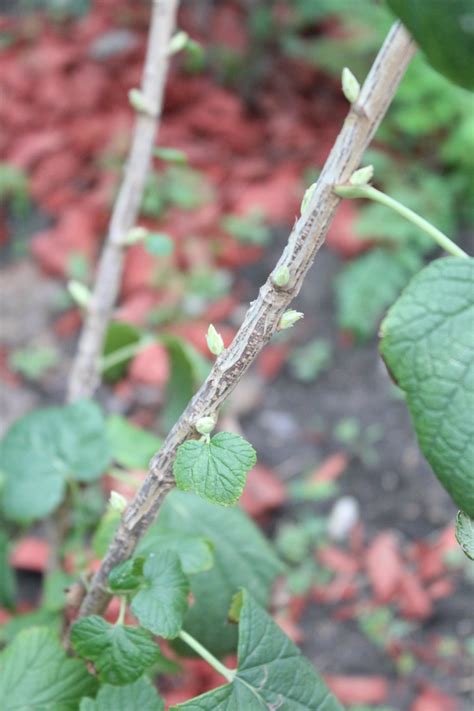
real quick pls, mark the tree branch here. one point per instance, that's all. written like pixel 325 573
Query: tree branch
pixel 261 320
pixel 85 376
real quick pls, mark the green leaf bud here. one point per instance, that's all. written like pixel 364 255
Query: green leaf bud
pixel 79 292
pixel 139 102
pixel 205 425
pixel 350 86
pixel 117 502
pixel 214 341
pixel 281 276
pixel 178 42
pixel 362 176
pixel 289 318
pixel 136 234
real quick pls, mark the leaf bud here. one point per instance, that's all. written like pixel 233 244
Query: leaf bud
pixel 79 293
pixel 117 502
pixel 350 86
pixel 205 425
pixel 139 102
pixel 362 176
pixel 307 197
pixel 281 276
pixel 178 42
pixel 214 341
pixel 289 318
pixel 136 234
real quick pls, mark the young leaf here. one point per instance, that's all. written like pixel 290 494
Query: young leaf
pixel 195 553
pixel 465 533
pixel 272 673
pixel 131 446
pixel 128 575
pixel 119 653
pixel 139 696
pixel 443 29
pixel 44 449
pixel 216 470
pixel 242 558
pixel 37 674
pixel 428 346
pixel 162 604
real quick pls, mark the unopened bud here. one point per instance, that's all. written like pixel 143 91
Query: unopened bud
pixel 79 293
pixel 350 86
pixel 307 197
pixel 136 234
pixel 139 102
pixel 289 318
pixel 214 341
pixel 362 176
pixel 281 276
pixel 205 425
pixel 178 42
pixel 117 502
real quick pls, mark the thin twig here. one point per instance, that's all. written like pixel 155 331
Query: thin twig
pixel 85 374
pixel 261 320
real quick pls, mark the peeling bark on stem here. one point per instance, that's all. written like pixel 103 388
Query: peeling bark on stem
pixel 263 316
pixel 85 376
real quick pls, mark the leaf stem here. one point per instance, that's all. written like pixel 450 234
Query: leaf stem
pixel 122 610
pixel 227 673
pixel 371 193
pixel 124 353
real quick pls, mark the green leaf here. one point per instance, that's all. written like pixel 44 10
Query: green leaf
pixel 54 590
pixel 465 533
pixel 118 336
pixel 128 575
pixel 44 449
pixel 105 531
pixel 159 244
pixel 242 558
pixel 445 32
pixel 428 346
pixel 32 363
pixel 131 446
pixel 216 470
pixel 140 696
pixel 271 674
pixel 161 606
pixel 37 618
pixel 37 674
pixel 119 653
pixel 195 553
pixel 7 574
pixel 188 369
pixel 368 285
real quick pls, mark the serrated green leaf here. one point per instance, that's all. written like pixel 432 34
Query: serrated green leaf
pixel 242 558
pixel 37 674
pixel 161 606
pixel 139 696
pixel 119 335
pixel 195 553
pixel 465 533
pixel 37 618
pixel 132 447
pixel 216 470
pixel 428 346
pixel 44 449
pixel 119 653
pixel 444 31
pixel 271 674
pixel 127 575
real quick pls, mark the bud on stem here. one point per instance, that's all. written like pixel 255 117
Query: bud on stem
pixel 350 86
pixel 281 276
pixel 289 318
pixel 214 341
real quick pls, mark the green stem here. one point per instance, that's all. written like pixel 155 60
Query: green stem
pixel 227 673
pixel 122 611
pixel 371 193
pixel 124 353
